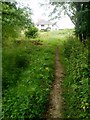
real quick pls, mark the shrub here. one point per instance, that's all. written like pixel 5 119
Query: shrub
pixel 31 32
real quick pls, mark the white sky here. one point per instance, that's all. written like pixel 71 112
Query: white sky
pixel 39 13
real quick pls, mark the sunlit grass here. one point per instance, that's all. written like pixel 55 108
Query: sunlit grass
pixel 55 38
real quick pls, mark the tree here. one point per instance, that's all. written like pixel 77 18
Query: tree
pixel 82 20
pixel 14 19
pixel 78 12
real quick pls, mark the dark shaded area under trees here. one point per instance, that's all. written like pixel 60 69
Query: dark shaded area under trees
pixel 82 26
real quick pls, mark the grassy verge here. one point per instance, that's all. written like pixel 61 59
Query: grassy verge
pixel 27 77
pixel 75 61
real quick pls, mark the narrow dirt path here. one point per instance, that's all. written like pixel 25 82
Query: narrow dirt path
pixel 56 100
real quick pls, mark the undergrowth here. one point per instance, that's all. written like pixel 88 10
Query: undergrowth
pixel 27 77
pixel 75 61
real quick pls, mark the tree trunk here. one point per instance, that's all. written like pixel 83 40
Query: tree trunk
pixel 80 37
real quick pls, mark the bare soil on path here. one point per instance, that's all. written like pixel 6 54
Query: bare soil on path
pixel 55 109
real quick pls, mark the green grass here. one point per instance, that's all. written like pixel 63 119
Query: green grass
pixel 28 73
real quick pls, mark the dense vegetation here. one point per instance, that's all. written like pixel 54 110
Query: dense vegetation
pixel 28 65
pixel 75 60
pixel 28 73
pixel 27 76
pixel 16 21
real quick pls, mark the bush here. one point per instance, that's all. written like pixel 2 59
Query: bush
pixel 32 32
pixel 76 80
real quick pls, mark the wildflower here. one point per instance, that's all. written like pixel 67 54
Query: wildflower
pixel 47 68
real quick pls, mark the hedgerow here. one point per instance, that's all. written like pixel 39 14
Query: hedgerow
pixel 75 60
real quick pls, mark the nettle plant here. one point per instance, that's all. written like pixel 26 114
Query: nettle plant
pixel 76 80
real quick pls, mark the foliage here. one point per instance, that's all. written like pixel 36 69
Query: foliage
pixel 14 20
pixel 32 32
pixel 82 18
pixel 78 12
pixel 28 74
pixel 75 60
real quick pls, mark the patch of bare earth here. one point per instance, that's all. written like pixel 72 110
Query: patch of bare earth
pixel 56 100
pixel 36 42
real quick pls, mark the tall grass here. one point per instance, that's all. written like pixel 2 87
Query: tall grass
pixel 28 72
